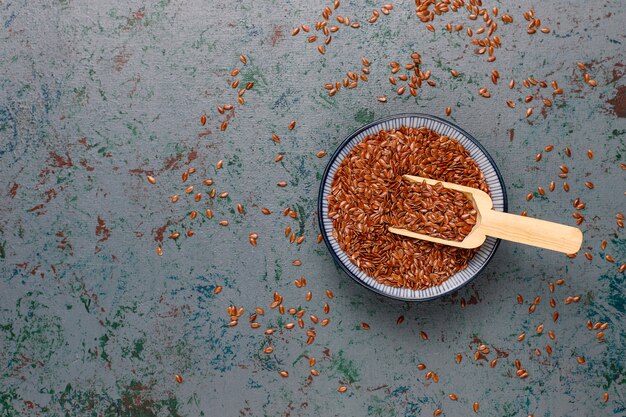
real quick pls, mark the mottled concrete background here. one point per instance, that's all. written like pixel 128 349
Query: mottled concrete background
pixel 95 95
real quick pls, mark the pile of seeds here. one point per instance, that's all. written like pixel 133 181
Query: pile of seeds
pixel 322 25
pixel 432 210
pixel 195 193
pixel 363 203
pixel 351 80
pixel 414 81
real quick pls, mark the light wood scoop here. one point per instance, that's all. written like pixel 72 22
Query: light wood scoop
pixel 520 229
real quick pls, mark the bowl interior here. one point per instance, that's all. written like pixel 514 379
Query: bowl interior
pixel 477 152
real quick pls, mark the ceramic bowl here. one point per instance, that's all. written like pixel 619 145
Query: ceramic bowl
pixel 477 152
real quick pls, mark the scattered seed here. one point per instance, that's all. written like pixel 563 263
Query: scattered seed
pixel 321 154
pixel 282 183
pixel 178 378
pixel 476 406
pixel 382 99
pixel 581 360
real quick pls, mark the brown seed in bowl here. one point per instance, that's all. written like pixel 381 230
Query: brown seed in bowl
pixel 374 168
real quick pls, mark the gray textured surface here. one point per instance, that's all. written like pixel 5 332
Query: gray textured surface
pixel 95 95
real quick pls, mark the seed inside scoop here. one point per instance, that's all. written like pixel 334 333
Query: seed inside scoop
pixel 433 210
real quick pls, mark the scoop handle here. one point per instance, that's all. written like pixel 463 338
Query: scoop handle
pixel 529 231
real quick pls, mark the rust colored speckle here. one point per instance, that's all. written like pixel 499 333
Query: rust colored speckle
pixel 160 232
pixel 38 209
pixel 619 101
pixel 501 353
pixel 473 299
pixel 59 161
pixel 511 135
pixel 13 190
pixel 139 171
pixel 172 163
pixel 618 72
pixel 102 230
pixel 192 156
pixel 85 164
pixel 205 133
pixel 277 35
pixel 120 60
pixel 83 141
pixel 50 194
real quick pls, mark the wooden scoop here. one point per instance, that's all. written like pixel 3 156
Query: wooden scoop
pixel 489 222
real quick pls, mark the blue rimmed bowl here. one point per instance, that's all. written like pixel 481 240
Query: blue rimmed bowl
pixel 477 152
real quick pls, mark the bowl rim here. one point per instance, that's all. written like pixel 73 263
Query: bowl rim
pixel 332 159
